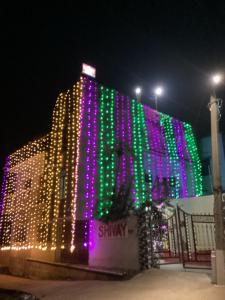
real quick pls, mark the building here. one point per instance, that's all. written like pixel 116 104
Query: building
pixel 103 146
pixel 206 158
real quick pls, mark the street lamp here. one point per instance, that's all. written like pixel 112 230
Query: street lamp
pixel 216 79
pixel 217 190
pixel 138 92
pixel 158 92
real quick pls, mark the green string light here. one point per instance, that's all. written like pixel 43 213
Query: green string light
pixel 139 141
pixel 193 151
pixel 166 122
pixel 106 152
pixel 146 149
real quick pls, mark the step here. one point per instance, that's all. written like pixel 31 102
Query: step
pixel 57 270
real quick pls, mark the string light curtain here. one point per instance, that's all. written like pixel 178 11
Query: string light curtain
pixel 20 197
pixel 101 141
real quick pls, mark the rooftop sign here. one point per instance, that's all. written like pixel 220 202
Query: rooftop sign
pixel 88 70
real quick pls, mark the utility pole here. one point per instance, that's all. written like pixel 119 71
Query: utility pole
pixel 156 102
pixel 217 190
pixel 158 92
pixel 138 92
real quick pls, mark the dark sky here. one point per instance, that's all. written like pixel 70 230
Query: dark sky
pixel 130 43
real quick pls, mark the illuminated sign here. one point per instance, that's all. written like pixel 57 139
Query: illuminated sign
pixel 113 230
pixel 88 70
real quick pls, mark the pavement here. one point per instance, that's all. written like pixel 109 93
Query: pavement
pixel 155 284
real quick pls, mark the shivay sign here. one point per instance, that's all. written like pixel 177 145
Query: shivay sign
pixel 112 230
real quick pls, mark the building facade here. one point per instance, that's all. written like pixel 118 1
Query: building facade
pixel 206 158
pixel 102 146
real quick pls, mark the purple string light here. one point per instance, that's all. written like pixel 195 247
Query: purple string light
pixel 94 166
pixel 91 163
pixel 129 136
pixel 123 158
pixel 181 146
pixel 166 158
pixel 3 191
pixel 118 141
pixel 151 140
pixel 159 152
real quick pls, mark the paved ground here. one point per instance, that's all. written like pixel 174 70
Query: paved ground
pixel 153 284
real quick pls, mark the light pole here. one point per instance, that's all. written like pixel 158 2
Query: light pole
pixel 217 190
pixel 158 92
pixel 138 92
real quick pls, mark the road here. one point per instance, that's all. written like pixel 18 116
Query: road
pixel 152 284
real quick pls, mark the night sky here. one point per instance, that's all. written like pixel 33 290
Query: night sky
pixel 130 43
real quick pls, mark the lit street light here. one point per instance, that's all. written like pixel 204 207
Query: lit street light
pixel 217 190
pixel 158 92
pixel 216 79
pixel 138 92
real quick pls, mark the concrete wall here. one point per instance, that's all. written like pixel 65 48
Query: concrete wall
pixel 206 153
pixel 16 261
pixel 196 205
pixel 117 251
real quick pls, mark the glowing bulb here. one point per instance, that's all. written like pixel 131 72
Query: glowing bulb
pixel 159 91
pixel 216 79
pixel 138 91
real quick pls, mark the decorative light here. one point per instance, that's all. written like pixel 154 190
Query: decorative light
pixel 107 154
pixel 89 123
pixel 181 146
pixel 90 133
pixel 166 122
pixel 196 164
pixel 129 140
pixel 19 197
pixel 79 117
pixel 138 143
pixel 118 140
pixel 146 147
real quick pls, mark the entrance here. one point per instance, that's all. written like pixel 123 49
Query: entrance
pixel 168 250
pixel 197 239
pixel 185 238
